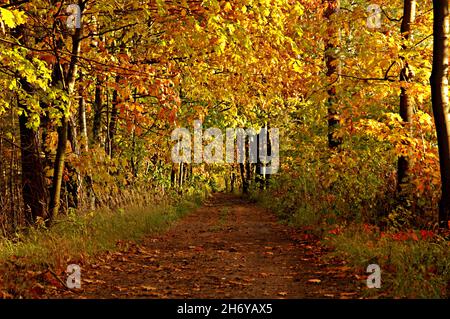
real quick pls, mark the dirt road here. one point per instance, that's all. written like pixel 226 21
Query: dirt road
pixel 228 248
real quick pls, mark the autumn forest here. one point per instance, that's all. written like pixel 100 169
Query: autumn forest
pixel 273 149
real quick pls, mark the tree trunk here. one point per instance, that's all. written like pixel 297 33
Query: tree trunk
pixel 133 157
pixel 243 178
pixel 34 190
pixel 173 176
pixel 98 108
pixel 248 172
pixel 82 121
pixel 69 86
pixel 113 121
pixel 74 183
pixel 406 106
pixel 180 176
pixel 259 176
pixel 439 94
pixel 55 193
pixel 232 179
pixel 332 60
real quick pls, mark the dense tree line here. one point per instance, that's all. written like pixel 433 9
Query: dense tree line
pixel 86 113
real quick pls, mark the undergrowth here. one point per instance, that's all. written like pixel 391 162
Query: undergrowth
pixel 79 236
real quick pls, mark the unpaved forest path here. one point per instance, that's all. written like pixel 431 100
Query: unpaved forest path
pixel 228 248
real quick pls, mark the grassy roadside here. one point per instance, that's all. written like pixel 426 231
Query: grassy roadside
pixel 414 263
pixel 81 236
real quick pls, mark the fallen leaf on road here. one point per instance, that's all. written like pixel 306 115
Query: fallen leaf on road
pixel 90 281
pixel 315 281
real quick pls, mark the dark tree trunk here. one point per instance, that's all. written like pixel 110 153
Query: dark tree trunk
pixel 113 121
pixel 98 108
pixel 74 182
pixel 34 188
pixel 173 175
pixel 262 178
pixel 439 93
pixel 259 176
pixel 133 158
pixel 243 178
pixel 332 60
pixel 269 152
pixel 232 180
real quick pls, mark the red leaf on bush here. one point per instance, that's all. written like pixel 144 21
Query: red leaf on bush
pixel 426 234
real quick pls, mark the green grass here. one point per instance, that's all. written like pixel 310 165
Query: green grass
pixel 410 268
pixel 79 236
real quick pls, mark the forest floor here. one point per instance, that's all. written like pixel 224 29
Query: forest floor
pixel 228 248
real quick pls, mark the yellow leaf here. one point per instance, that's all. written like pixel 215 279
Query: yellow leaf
pixel 12 17
pixel 227 7
pixel 8 18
